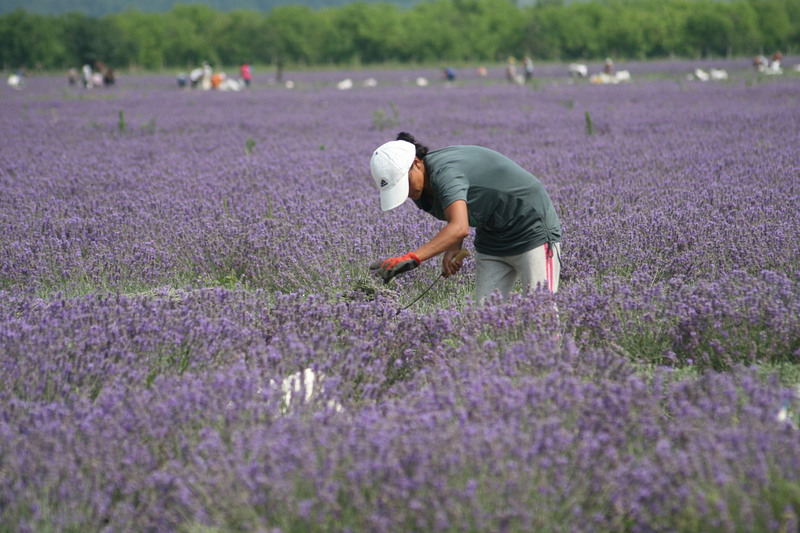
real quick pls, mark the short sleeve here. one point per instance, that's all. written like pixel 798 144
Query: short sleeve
pixel 449 186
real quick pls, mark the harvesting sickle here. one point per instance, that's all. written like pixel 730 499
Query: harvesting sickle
pixel 460 256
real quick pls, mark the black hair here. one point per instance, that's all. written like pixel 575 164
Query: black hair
pixel 422 150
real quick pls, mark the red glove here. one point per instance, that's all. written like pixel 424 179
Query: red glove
pixel 393 266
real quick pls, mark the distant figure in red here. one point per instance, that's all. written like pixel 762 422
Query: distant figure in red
pixel 247 74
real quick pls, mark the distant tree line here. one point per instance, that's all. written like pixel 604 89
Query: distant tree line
pixel 98 8
pixel 431 31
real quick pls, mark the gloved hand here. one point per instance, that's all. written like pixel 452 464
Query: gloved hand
pixel 393 266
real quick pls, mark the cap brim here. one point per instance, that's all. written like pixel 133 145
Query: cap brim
pixel 394 196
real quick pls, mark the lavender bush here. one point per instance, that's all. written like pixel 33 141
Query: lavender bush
pixel 175 265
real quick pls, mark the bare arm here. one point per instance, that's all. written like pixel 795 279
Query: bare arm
pixel 449 239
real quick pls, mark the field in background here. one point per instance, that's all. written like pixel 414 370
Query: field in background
pixel 190 338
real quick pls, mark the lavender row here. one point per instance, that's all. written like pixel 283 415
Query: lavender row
pixel 675 179
pixel 529 435
pixel 76 347
pixel 176 265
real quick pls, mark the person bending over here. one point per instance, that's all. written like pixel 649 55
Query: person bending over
pixel 517 230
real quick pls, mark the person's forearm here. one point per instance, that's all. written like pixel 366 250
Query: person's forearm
pixel 450 238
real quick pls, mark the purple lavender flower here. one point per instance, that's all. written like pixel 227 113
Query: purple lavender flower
pixel 163 286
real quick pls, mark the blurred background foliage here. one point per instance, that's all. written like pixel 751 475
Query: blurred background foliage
pixel 99 8
pixel 372 33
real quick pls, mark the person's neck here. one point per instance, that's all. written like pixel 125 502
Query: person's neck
pixel 427 188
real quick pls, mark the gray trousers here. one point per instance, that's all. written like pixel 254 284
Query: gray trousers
pixel 540 266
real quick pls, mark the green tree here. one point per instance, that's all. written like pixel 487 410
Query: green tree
pixel 85 40
pixel 579 33
pixel 371 33
pixel 297 34
pixel 28 40
pixel 621 31
pixel 242 38
pixel 430 31
pixel 439 33
pixel 775 24
pixel 195 33
pixel 708 31
pixel 498 29
pixel 541 34
pixel 663 25
pixel 746 36
pixel 147 34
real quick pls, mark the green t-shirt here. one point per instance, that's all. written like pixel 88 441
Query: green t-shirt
pixel 508 207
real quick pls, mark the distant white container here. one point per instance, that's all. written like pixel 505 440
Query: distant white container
pixel 578 70
pixel 606 79
pixel 774 67
pixel 230 84
pixel 15 81
pixel 622 75
pixel 718 74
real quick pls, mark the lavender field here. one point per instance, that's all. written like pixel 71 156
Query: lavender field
pixel 191 339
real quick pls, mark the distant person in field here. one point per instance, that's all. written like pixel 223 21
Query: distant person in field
pixel 608 67
pixel 109 78
pixel 195 77
pixel 86 76
pixel 528 62
pixel 208 72
pixel 517 229
pixel 104 74
pixel 511 70
pixel 247 74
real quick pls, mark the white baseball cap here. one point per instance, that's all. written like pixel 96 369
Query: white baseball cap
pixel 389 165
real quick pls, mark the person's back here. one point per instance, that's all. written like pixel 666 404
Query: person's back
pixel 509 207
